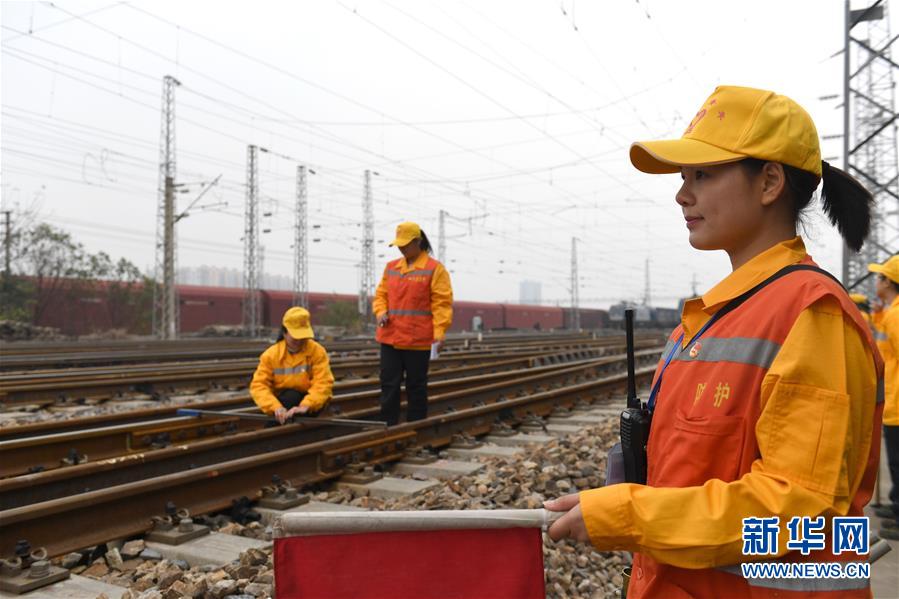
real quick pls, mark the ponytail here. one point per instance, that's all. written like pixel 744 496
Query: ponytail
pixel 847 204
pixel 424 244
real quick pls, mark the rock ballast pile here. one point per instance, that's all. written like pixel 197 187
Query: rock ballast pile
pixel 14 330
pixel 566 465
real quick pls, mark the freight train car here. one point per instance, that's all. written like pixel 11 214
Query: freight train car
pixel 476 316
pixel 642 314
pixel 591 318
pixel 276 303
pixel 645 316
pixel 204 306
pixel 76 315
pixel 541 318
pixel 666 318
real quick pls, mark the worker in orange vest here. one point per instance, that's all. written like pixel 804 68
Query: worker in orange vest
pixel 414 307
pixel 767 402
pixel 886 324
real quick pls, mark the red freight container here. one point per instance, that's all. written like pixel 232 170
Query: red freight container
pixel 532 317
pixel 204 306
pixel 468 315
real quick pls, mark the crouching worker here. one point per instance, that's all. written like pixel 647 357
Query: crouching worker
pixel 294 375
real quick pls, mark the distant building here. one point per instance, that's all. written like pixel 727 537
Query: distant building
pixel 217 276
pixel 530 292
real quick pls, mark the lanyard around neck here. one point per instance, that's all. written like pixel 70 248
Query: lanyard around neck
pixel 674 351
pixel 729 307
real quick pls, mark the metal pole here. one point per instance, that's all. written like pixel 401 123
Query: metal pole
pixel 251 247
pixel 169 260
pixel 7 245
pixel 575 292
pixel 367 279
pixel 869 132
pixel 847 253
pixel 441 241
pixel 165 299
pixel 301 245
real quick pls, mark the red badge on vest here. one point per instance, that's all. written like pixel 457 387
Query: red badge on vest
pixel 694 351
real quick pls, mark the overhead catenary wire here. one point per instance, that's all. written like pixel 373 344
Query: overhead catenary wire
pixel 452 184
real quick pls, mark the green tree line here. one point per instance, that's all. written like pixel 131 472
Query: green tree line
pixel 52 278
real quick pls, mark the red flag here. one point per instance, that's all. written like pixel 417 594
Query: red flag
pixel 426 555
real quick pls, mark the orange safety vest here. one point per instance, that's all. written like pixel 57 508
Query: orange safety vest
pixel 409 323
pixel 717 440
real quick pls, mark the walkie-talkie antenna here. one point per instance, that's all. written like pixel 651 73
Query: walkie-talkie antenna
pixel 632 400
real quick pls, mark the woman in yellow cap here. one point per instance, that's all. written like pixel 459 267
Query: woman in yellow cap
pixel 863 304
pixel 294 375
pixel 414 307
pixel 886 323
pixel 764 406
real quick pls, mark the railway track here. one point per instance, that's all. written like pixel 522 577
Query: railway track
pixel 206 475
pixel 28 355
pixel 101 383
pixel 64 444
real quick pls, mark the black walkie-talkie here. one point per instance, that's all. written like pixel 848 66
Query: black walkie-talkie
pixel 636 419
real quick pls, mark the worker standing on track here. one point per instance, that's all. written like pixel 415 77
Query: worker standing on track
pixel 294 375
pixel 414 308
pixel 772 411
pixel 886 323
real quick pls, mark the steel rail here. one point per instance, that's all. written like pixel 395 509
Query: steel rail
pixel 112 444
pixel 48 387
pixel 70 523
pixel 238 399
pixel 20 356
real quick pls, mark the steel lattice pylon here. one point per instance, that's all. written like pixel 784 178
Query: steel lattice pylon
pixel 575 288
pixel 367 276
pixel 441 238
pixel 251 247
pixel 869 132
pixel 165 299
pixel 301 245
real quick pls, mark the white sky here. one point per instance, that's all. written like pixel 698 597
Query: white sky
pixel 514 116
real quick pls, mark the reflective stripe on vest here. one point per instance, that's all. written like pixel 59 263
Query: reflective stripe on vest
pixel 294 370
pixel 739 350
pixel 409 312
pixel 880 336
pixel 806 585
pixel 396 273
pixel 668 347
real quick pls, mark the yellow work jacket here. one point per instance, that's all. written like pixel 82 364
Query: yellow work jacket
pixel 886 331
pixel 441 295
pixel 307 370
pixel 824 357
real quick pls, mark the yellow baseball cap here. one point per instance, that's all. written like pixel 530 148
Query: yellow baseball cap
pixel 736 123
pixel 859 298
pixel 296 321
pixel 889 269
pixel 406 233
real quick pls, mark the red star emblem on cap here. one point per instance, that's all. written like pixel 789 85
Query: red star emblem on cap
pixel 720 115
